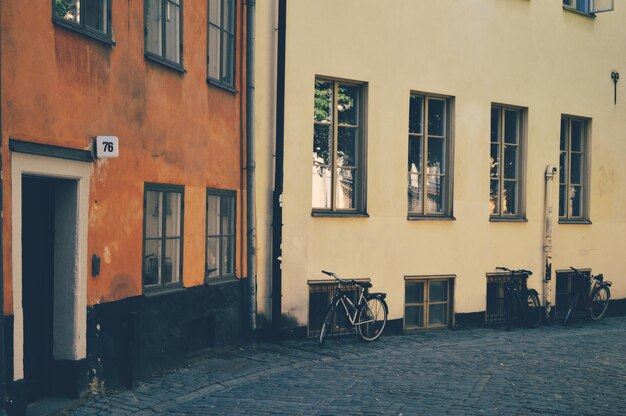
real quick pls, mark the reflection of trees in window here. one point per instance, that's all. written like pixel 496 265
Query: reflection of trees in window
pixel 505 161
pixel 84 14
pixel 336 145
pixel 428 146
pixel 572 168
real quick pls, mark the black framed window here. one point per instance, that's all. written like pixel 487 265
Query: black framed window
pixel 163 32
pixel 89 17
pixel 221 213
pixel 221 42
pixel 163 236
pixel 574 170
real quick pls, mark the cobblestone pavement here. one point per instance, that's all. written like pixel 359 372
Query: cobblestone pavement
pixel 553 370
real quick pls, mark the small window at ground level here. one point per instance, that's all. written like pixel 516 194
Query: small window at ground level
pixel 566 283
pixel 90 16
pixel 163 237
pixel 220 233
pixel 427 303
pixel 495 297
pixel 320 296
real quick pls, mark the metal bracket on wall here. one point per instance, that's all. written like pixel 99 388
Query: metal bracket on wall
pixel 615 78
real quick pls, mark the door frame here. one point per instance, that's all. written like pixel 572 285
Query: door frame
pixel 71 343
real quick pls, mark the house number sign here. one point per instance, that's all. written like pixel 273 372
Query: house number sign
pixel 107 147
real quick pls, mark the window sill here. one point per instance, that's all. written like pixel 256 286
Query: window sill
pixel 221 85
pixel 576 222
pixel 159 291
pixel 171 65
pixel 570 9
pixel 353 214
pixel 99 36
pixel 507 219
pixel 415 217
pixel 220 280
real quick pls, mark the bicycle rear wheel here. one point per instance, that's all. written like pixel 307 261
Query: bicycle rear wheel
pixel 327 323
pixel 532 310
pixel 372 318
pixel 599 302
pixel 573 300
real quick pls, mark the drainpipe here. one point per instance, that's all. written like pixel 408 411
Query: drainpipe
pixel 547 243
pixel 2 353
pixel 250 166
pixel 277 210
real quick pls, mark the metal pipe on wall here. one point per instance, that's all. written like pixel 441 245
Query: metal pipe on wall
pixel 547 242
pixel 2 352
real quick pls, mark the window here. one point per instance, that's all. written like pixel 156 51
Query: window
pixel 163 32
pixel 90 17
pixel 220 233
pixel 589 6
pixel 566 283
pixel 430 148
pixel 573 168
pixel 163 240
pixel 221 49
pixel 507 168
pixel 320 295
pixel 495 297
pixel 427 303
pixel 338 148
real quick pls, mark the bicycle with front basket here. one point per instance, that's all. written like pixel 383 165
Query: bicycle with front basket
pixel 368 315
pixel 520 300
pixel 595 296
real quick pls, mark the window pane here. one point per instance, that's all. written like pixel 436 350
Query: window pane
pixel 213 215
pixel 215 12
pixel 509 197
pixel 323 106
pixel 415 154
pixel 214 52
pixel 414 292
pixel 171 267
pixel 229 16
pixel 154 207
pixel 414 317
pixel 438 291
pixel 173 212
pixel 151 263
pixel 576 168
pixel 415 114
pixel 172 33
pixel 153 24
pixel 228 215
pixel 577 136
pixel 575 201
pixel 511 128
pixel 435 155
pixel 495 124
pixel 415 193
pixel 563 141
pixel 494 160
pixel 322 143
pixel 562 167
pixel 345 189
pixel 562 200
pixel 68 10
pixel 494 202
pixel 510 162
pixel 213 256
pixel 95 14
pixel 435 190
pixel 227 59
pixel 347 106
pixel 346 146
pixel 228 255
pixel 322 187
pixel 438 314
pixel 436 117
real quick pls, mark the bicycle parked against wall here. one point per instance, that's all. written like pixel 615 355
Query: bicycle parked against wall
pixel 594 292
pixel 368 315
pixel 520 301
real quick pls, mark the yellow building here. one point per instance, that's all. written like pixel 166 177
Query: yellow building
pixel 499 107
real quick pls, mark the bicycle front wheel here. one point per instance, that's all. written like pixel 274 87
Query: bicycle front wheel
pixel 327 323
pixel 599 302
pixel 372 318
pixel 533 309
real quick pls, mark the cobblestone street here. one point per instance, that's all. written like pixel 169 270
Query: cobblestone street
pixel 575 370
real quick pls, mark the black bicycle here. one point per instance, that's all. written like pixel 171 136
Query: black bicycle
pixel 520 301
pixel 368 315
pixel 593 290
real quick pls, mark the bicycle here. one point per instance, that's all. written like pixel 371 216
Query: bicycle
pixel 368 315
pixel 596 296
pixel 519 300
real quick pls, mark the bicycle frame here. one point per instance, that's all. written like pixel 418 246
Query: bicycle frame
pixel 341 297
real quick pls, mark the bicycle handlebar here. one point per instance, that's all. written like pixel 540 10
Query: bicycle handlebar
pixel 520 271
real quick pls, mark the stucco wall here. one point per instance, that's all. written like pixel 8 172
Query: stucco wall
pixel 532 54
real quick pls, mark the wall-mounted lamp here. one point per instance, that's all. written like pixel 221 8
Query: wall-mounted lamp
pixel 615 78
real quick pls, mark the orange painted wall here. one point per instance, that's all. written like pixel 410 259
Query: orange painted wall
pixel 62 88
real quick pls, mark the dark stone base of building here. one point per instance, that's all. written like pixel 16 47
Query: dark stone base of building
pixel 142 336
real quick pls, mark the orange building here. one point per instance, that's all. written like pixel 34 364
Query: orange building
pixel 123 156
